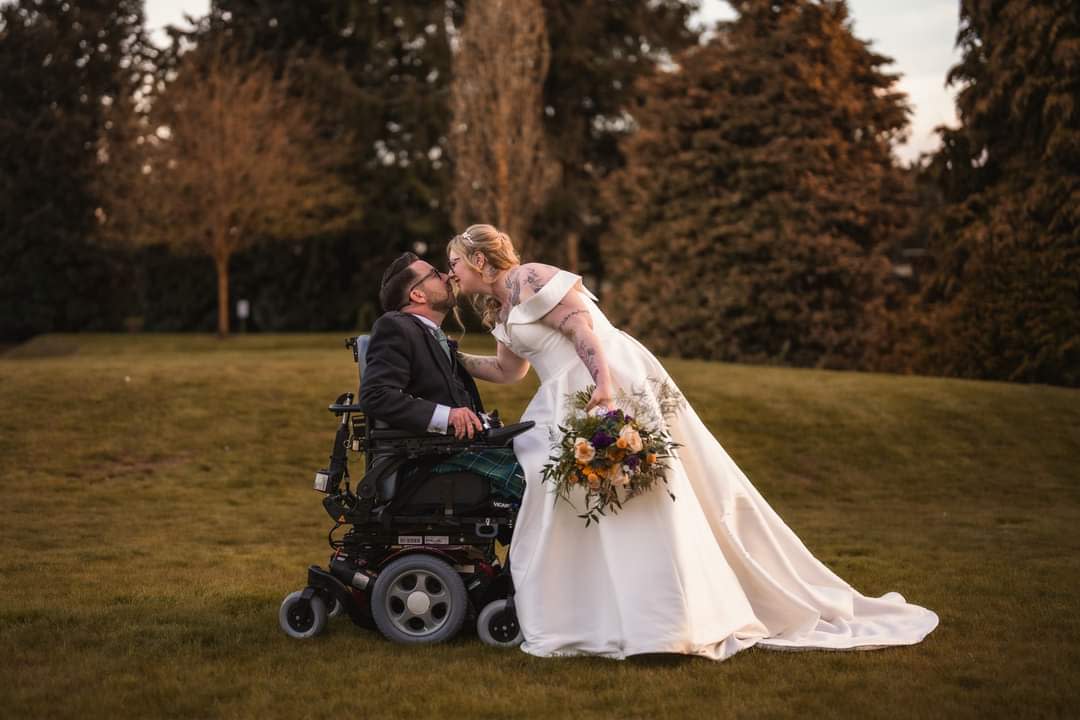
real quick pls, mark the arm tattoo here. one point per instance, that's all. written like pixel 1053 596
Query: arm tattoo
pixel 569 315
pixel 481 367
pixel 588 355
pixel 587 352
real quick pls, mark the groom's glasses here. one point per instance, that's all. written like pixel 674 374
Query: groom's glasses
pixel 433 273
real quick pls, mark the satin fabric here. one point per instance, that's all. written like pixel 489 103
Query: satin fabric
pixel 712 573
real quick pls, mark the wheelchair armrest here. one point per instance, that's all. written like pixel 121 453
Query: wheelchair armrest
pixel 502 436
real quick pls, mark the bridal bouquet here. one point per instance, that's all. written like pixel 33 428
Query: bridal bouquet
pixel 614 455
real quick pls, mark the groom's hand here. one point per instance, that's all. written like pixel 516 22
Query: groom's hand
pixel 465 422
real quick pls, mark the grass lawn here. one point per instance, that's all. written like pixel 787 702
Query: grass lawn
pixel 156 507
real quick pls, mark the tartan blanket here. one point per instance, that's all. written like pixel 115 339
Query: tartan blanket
pixel 498 465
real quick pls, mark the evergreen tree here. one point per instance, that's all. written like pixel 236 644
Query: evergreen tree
pixel 1003 301
pixel 599 48
pixel 64 68
pixel 761 194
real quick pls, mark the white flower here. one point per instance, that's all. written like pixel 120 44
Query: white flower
pixel 630 436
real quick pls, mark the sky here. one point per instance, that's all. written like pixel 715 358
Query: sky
pixel 919 35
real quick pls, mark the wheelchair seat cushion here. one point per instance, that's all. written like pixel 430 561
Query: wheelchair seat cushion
pixel 498 465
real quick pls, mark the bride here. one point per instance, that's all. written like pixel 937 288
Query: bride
pixel 713 573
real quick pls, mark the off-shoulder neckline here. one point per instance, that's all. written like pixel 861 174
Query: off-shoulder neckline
pixel 554 282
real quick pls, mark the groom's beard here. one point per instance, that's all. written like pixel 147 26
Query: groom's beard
pixel 444 304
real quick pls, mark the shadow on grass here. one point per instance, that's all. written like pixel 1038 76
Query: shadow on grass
pixel 660 660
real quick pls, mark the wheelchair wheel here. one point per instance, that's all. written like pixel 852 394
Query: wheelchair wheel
pixel 301 618
pixel 498 626
pixel 336 608
pixel 418 600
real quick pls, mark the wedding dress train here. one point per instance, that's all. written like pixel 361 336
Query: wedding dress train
pixel 712 573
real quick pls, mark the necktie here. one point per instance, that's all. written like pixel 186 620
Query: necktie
pixel 441 337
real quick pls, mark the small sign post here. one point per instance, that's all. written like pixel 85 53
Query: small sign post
pixel 243 309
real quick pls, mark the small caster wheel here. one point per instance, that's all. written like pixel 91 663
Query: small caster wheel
pixel 336 608
pixel 301 618
pixel 498 626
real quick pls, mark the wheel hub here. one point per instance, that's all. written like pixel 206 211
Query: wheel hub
pixel 418 603
pixel 301 617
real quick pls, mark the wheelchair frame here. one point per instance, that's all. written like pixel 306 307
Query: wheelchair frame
pixel 379 534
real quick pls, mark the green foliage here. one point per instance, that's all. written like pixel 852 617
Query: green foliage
pixel 1003 300
pixel 61 73
pixel 760 195
pixel 376 73
pixel 597 452
pixel 598 50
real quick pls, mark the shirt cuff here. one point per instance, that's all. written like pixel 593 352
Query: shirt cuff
pixel 439 419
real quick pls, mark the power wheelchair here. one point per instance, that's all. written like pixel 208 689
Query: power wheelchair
pixel 418 556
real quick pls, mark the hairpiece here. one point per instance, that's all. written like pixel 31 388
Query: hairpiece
pixel 467 237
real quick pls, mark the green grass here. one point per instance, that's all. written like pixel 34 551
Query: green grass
pixel 156 508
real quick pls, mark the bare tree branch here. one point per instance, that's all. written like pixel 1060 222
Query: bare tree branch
pixel 225 158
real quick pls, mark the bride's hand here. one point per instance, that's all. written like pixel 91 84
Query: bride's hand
pixel 601 397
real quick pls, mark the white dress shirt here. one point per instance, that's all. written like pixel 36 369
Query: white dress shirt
pixel 440 419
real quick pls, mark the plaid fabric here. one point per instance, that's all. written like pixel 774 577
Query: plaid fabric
pixel 498 465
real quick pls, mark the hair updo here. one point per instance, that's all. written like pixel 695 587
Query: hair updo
pixel 498 251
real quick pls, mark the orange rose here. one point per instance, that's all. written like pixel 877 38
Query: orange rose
pixel 583 450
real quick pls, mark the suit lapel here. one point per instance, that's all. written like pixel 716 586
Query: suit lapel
pixel 437 354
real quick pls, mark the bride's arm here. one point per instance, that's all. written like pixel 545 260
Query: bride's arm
pixel 571 318
pixel 503 367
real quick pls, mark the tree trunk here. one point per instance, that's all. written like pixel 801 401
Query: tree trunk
pixel 221 262
pixel 572 256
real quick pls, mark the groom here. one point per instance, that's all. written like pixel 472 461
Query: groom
pixel 413 379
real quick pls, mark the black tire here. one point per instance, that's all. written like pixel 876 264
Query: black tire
pixel 498 626
pixel 300 618
pixel 419 600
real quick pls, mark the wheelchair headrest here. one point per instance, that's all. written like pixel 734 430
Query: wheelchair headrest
pixel 359 346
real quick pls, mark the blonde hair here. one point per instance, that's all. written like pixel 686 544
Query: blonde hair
pixel 498 251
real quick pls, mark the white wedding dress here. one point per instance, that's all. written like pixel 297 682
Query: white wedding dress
pixel 712 573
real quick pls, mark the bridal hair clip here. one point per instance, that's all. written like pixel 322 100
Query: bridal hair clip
pixel 467 237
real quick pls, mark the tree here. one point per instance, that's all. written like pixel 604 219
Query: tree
pixel 502 167
pixel 598 50
pixel 1003 300
pixel 760 194
pixel 379 73
pixel 226 158
pixel 64 69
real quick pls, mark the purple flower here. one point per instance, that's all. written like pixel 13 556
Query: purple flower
pixel 601 440
pixel 632 462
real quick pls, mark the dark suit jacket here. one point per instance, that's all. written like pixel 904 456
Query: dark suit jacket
pixel 408 374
